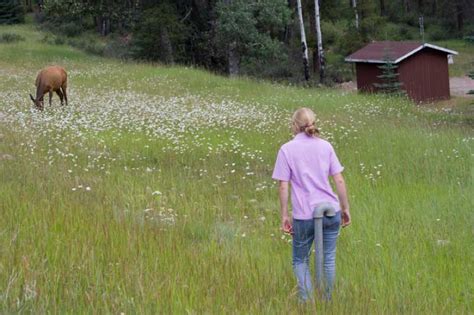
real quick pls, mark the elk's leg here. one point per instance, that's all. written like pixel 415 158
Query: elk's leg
pixel 64 92
pixel 61 96
pixel 50 96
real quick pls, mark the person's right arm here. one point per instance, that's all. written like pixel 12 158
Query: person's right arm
pixel 342 194
pixel 285 220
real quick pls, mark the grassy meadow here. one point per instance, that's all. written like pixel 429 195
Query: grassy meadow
pixel 464 61
pixel 152 193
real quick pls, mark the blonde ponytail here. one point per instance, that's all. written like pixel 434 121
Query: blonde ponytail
pixel 304 120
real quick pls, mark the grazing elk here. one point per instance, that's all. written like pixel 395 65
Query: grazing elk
pixel 50 79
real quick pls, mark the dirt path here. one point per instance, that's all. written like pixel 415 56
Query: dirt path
pixel 459 86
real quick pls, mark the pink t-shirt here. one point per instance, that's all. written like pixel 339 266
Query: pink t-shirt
pixel 307 162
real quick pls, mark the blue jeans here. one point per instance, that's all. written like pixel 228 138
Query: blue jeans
pixel 302 240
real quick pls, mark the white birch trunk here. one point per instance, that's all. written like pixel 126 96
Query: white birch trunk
pixel 320 41
pixel 354 7
pixel 304 46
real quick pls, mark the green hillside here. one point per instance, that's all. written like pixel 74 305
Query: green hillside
pixel 151 192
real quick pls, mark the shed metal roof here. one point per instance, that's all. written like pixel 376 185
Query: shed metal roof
pixel 377 52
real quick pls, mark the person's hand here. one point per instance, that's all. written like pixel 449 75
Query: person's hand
pixel 346 218
pixel 286 225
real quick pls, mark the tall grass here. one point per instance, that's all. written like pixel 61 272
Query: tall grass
pixel 151 193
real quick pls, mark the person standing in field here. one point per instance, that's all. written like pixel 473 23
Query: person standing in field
pixel 307 162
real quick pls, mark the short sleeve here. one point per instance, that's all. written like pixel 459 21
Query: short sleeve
pixel 335 166
pixel 282 170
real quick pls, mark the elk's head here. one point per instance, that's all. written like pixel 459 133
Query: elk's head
pixel 38 102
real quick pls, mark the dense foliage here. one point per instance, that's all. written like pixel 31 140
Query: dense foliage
pixel 253 37
pixel 10 38
pixel 159 35
pixel 11 12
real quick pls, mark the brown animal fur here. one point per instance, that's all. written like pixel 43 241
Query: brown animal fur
pixel 50 79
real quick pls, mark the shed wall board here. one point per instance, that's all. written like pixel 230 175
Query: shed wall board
pixel 366 76
pixel 425 76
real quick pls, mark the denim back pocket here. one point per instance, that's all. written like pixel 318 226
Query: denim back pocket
pixel 333 222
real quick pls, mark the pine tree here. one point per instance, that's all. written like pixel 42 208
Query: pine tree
pixel 389 78
pixel 11 12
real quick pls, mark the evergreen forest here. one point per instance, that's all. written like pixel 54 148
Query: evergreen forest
pixel 258 38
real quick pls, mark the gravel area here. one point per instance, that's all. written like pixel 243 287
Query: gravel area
pixel 459 86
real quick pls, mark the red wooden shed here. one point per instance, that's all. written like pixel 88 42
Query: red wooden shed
pixel 422 68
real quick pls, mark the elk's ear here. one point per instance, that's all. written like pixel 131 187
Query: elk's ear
pixel 32 98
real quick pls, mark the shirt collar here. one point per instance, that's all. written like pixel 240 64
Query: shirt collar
pixel 302 136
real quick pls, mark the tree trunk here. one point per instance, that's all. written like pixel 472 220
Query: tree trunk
pixel 28 5
pixel 460 17
pixel 102 24
pixel 233 59
pixel 354 7
pixel 320 42
pixel 406 6
pixel 420 6
pixel 166 48
pixel 312 34
pixel 98 24
pixel 289 27
pixel 304 46
pixel 382 8
pixel 315 60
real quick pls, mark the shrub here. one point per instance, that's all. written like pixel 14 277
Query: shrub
pixel 52 39
pixel 11 38
pixel 468 30
pixel 330 32
pixel 251 28
pixel 273 68
pixel 59 40
pixel 159 35
pixel 392 31
pixel 118 47
pixel 388 31
pixel 39 17
pixel 70 29
pixel 469 39
pixel 410 19
pixel 92 47
pixel 437 32
pixel 350 42
pixel 406 33
pixel 88 45
pixel 370 27
pixel 337 70
pixel 471 75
